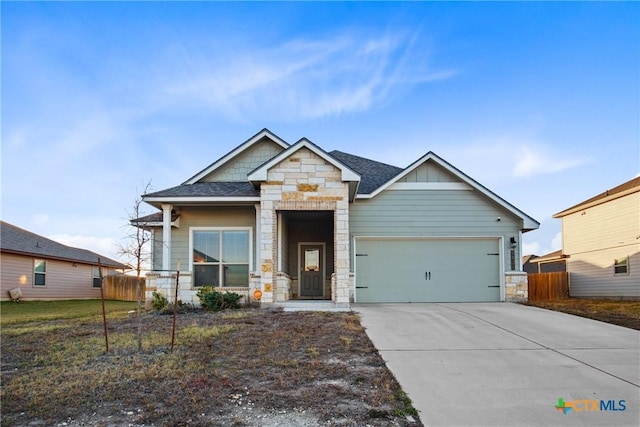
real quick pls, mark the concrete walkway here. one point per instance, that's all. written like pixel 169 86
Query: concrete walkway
pixel 504 364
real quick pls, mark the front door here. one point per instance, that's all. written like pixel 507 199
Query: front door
pixel 311 271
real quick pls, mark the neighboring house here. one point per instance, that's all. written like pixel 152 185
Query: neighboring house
pixel 601 240
pixel 296 222
pixel 46 270
pixel 550 263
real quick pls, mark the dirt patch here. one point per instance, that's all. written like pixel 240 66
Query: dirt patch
pixel 240 368
pixel 621 313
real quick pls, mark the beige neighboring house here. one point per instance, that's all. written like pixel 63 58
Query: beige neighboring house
pixel 601 242
pixel 33 267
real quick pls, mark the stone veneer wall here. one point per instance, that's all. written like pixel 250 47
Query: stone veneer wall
pixel 303 182
pixel 516 286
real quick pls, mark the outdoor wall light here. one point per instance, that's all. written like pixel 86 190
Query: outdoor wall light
pixel 513 242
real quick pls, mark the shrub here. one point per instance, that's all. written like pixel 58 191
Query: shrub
pixel 159 302
pixel 212 300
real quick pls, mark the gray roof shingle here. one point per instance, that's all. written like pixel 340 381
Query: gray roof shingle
pixel 17 240
pixel 373 174
pixel 209 189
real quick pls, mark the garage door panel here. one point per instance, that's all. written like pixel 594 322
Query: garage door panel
pixel 427 270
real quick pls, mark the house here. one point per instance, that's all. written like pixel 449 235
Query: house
pixel 296 222
pixel 550 263
pixel 33 267
pixel 601 242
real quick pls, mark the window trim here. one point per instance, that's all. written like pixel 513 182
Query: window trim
pixel 249 262
pixel 621 262
pixel 43 273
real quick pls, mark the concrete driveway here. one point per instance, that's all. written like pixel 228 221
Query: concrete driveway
pixel 504 364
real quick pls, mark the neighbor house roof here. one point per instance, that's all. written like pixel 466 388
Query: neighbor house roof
pixel 22 242
pixel 551 256
pixel 629 187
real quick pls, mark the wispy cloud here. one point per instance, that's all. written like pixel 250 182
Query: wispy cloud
pixel 301 79
pixel 512 157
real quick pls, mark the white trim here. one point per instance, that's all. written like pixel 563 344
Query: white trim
pixel 242 147
pixel 323 269
pixel 166 236
pixel 195 199
pixel 213 228
pixel 429 186
pixel 499 239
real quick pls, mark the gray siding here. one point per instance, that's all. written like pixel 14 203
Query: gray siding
pixel 462 213
pixel 429 172
pixel 250 159
pixel 204 217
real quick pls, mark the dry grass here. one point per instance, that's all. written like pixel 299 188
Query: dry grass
pixel 621 313
pixel 243 368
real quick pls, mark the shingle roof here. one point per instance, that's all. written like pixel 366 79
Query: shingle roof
pixel 373 174
pixel 17 240
pixel 620 190
pixel 209 189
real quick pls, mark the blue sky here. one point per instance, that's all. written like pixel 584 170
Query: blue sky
pixel 540 102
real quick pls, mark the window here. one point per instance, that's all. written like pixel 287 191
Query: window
pixel 40 272
pixel 220 257
pixel 96 277
pixel 621 266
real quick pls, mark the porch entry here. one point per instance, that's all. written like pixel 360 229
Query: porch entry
pixel 312 260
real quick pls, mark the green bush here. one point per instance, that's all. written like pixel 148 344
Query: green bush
pixel 212 300
pixel 159 302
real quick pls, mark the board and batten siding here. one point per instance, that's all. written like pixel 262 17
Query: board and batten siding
pixel 426 213
pixel 64 279
pixel 594 238
pixel 231 217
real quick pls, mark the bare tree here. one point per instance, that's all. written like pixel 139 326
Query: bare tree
pixel 136 247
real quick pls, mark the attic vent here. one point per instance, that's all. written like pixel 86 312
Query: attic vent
pixel 294 159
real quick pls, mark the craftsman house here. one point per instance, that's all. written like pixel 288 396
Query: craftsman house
pixel 601 244
pixel 296 222
pixel 33 267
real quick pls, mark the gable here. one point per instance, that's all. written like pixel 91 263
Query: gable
pixel 429 171
pixel 240 161
pixel 237 168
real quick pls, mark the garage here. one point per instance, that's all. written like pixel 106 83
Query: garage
pixel 427 269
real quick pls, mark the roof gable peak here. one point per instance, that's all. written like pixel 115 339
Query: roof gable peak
pixel 227 158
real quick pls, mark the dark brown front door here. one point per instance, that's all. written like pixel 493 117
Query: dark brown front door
pixel 311 271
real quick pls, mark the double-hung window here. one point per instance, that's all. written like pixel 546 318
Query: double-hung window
pixel 621 266
pixel 39 272
pixel 96 277
pixel 220 257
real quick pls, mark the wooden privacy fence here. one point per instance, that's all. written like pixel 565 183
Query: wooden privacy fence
pixel 548 286
pixel 123 287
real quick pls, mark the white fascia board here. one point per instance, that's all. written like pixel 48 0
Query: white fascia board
pixel 260 174
pixel 196 200
pixel 242 147
pixel 429 186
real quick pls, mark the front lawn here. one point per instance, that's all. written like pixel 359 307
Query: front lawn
pixel 247 367
pixel 31 311
pixel 621 313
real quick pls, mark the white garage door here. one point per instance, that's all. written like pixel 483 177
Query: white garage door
pixel 427 270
